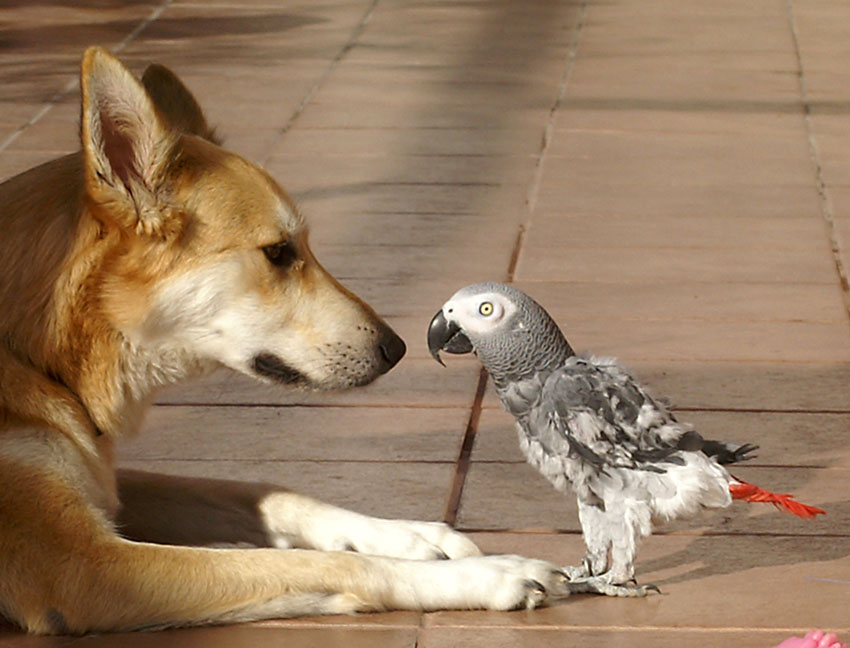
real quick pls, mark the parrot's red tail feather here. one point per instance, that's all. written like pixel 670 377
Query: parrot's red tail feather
pixel 752 493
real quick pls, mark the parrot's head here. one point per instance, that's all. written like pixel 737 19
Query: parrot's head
pixel 511 334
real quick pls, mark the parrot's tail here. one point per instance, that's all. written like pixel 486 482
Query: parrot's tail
pixel 742 490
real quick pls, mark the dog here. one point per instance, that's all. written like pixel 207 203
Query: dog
pixel 151 256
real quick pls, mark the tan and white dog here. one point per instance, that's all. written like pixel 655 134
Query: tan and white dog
pixel 151 256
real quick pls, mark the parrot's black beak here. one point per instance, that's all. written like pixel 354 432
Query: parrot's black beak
pixel 444 335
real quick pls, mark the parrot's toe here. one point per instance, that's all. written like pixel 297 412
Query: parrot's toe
pixel 578 573
pixel 600 585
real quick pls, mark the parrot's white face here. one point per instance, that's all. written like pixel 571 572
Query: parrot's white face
pixel 512 335
pixel 479 314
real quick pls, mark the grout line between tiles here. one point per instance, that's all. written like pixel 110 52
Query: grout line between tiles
pixel 534 186
pixel 465 454
pixel 421 406
pixel 609 628
pixel 524 625
pixel 74 83
pixel 308 97
pixel 657 533
pixel 409 462
pixel 825 200
pixel 756 410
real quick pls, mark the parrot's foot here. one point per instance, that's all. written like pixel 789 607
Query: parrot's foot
pixel 579 573
pixel 602 585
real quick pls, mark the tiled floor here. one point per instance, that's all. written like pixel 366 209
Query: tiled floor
pixel 670 177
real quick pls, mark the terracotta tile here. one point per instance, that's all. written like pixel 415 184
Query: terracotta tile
pixel 415 382
pixel 417 298
pixel 449 231
pixel 624 196
pixel 743 584
pixel 681 122
pixel 413 198
pixel 392 490
pixel 763 385
pixel 14 162
pixel 755 233
pixel 301 172
pixel 766 75
pixel 255 144
pixel 840 200
pixel 732 341
pixel 515 496
pixel 445 141
pixel 672 116
pixel 13 637
pixel 18 112
pixel 693 159
pixel 370 112
pixel 445 637
pixel 244 24
pixel 724 385
pixel 784 439
pixel 259 637
pixel 56 137
pixel 299 434
pixel 623 265
pixel 692 302
pixel 510 95
pixel 379 620
pixel 412 261
pixel 709 32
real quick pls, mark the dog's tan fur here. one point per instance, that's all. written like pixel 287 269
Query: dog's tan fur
pixel 151 256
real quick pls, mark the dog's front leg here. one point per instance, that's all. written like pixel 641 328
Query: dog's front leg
pixel 298 521
pixel 203 512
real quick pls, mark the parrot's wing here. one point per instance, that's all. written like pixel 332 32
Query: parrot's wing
pixel 597 411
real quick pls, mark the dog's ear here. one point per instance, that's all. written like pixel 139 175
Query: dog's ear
pixel 126 144
pixel 176 104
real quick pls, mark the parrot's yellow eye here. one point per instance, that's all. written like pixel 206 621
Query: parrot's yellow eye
pixel 486 309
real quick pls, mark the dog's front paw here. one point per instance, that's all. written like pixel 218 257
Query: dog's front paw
pixel 406 539
pixel 517 583
pixel 482 582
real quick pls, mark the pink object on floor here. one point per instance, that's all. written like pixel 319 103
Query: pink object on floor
pixel 814 639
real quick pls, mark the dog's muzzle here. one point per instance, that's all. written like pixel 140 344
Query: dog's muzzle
pixel 392 349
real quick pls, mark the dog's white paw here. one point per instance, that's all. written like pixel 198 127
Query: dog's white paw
pixel 514 582
pixel 481 582
pixel 405 539
pixel 293 520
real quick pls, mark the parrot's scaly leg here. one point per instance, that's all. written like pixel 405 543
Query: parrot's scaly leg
pixel 596 533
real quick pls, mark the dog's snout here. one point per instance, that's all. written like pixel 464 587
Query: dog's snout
pixel 392 349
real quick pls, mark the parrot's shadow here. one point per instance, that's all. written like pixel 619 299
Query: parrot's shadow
pixel 713 555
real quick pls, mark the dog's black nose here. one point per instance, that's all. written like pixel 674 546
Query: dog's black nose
pixel 392 349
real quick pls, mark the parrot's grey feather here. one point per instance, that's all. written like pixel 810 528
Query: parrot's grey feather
pixel 606 418
pixel 588 426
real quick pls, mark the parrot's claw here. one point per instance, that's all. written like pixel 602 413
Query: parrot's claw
pixel 579 573
pixel 600 585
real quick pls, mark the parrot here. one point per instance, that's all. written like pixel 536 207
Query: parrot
pixel 588 426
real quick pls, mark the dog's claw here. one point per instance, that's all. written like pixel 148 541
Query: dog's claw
pixel 535 585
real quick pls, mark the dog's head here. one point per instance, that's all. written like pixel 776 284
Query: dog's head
pixel 211 259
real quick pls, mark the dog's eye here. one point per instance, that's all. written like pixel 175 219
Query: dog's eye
pixel 281 254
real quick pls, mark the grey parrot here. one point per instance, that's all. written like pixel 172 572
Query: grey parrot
pixel 588 426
